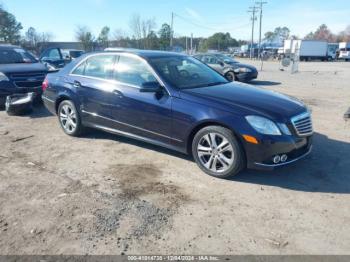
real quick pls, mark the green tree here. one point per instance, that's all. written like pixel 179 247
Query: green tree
pixel 164 36
pixel 86 38
pixel 152 40
pixel 220 41
pixel 10 29
pixel 279 34
pixel 103 38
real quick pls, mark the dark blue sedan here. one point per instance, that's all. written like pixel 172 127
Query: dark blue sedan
pixel 176 101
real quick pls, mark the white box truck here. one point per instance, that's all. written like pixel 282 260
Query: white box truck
pixel 344 51
pixel 307 49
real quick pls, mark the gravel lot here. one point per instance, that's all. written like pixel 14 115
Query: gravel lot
pixel 104 194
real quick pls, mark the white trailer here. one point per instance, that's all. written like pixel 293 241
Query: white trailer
pixel 344 51
pixel 307 49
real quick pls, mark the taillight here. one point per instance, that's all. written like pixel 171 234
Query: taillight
pixel 45 84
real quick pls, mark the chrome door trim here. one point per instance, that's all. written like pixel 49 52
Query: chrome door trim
pixel 125 124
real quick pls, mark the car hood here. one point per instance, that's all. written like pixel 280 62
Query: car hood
pixel 245 99
pixel 22 68
pixel 238 65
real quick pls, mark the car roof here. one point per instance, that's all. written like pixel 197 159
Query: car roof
pixel 6 46
pixel 144 53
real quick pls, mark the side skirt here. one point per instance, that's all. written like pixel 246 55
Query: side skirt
pixel 136 137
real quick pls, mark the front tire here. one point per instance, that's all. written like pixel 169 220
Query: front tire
pixel 230 76
pixel 69 118
pixel 217 152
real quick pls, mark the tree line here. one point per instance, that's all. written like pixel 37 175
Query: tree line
pixel 321 33
pixel 143 34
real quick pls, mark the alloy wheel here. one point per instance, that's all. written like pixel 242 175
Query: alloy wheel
pixel 215 152
pixel 68 118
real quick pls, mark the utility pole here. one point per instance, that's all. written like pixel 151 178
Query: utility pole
pixel 191 43
pixel 172 30
pixel 260 6
pixel 186 46
pixel 252 10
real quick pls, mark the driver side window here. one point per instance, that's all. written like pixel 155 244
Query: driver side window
pixel 210 60
pixel 133 71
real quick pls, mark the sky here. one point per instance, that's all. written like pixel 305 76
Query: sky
pixel 200 17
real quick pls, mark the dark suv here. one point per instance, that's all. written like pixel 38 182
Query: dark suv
pixel 229 67
pixel 20 72
pixel 176 101
pixel 59 57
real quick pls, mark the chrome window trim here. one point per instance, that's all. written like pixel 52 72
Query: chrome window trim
pixel 122 123
pixel 116 62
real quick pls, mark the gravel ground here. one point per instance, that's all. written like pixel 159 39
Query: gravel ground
pixel 104 194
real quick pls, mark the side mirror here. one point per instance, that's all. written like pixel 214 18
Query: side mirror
pixel 221 63
pixel 150 87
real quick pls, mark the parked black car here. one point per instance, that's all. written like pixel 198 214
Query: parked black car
pixel 20 72
pixel 229 67
pixel 58 57
pixel 175 101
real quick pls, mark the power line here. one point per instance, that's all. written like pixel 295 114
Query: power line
pixel 207 27
pixel 193 23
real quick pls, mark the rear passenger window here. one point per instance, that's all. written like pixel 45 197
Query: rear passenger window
pixel 79 70
pixel 133 71
pixel 100 66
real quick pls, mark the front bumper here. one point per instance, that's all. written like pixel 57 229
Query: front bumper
pixel 246 77
pixel 261 156
pixel 10 89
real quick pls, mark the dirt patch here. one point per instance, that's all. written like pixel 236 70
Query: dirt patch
pixel 142 207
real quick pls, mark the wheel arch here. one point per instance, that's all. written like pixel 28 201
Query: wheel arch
pixel 62 97
pixel 202 125
pixel 230 70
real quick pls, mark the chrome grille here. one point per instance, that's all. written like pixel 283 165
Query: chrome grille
pixel 303 124
pixel 28 79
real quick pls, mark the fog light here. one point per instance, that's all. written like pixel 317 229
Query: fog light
pixel 284 158
pixel 276 159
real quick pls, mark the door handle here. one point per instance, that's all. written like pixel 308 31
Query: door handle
pixel 76 84
pixel 118 93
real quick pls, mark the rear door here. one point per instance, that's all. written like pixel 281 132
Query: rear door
pixel 93 83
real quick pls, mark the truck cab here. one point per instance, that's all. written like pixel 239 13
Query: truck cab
pixel 344 51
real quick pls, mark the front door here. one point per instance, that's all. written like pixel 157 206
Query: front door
pixel 147 115
pixel 214 63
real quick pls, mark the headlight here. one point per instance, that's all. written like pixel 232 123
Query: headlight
pixel 284 128
pixel 242 70
pixel 263 125
pixel 3 77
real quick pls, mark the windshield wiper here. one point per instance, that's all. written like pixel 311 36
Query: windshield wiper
pixel 215 83
pixel 206 85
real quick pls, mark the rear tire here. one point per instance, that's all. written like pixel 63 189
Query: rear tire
pixel 217 152
pixel 69 118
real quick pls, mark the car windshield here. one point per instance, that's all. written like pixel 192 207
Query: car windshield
pixel 226 59
pixel 186 72
pixel 16 56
